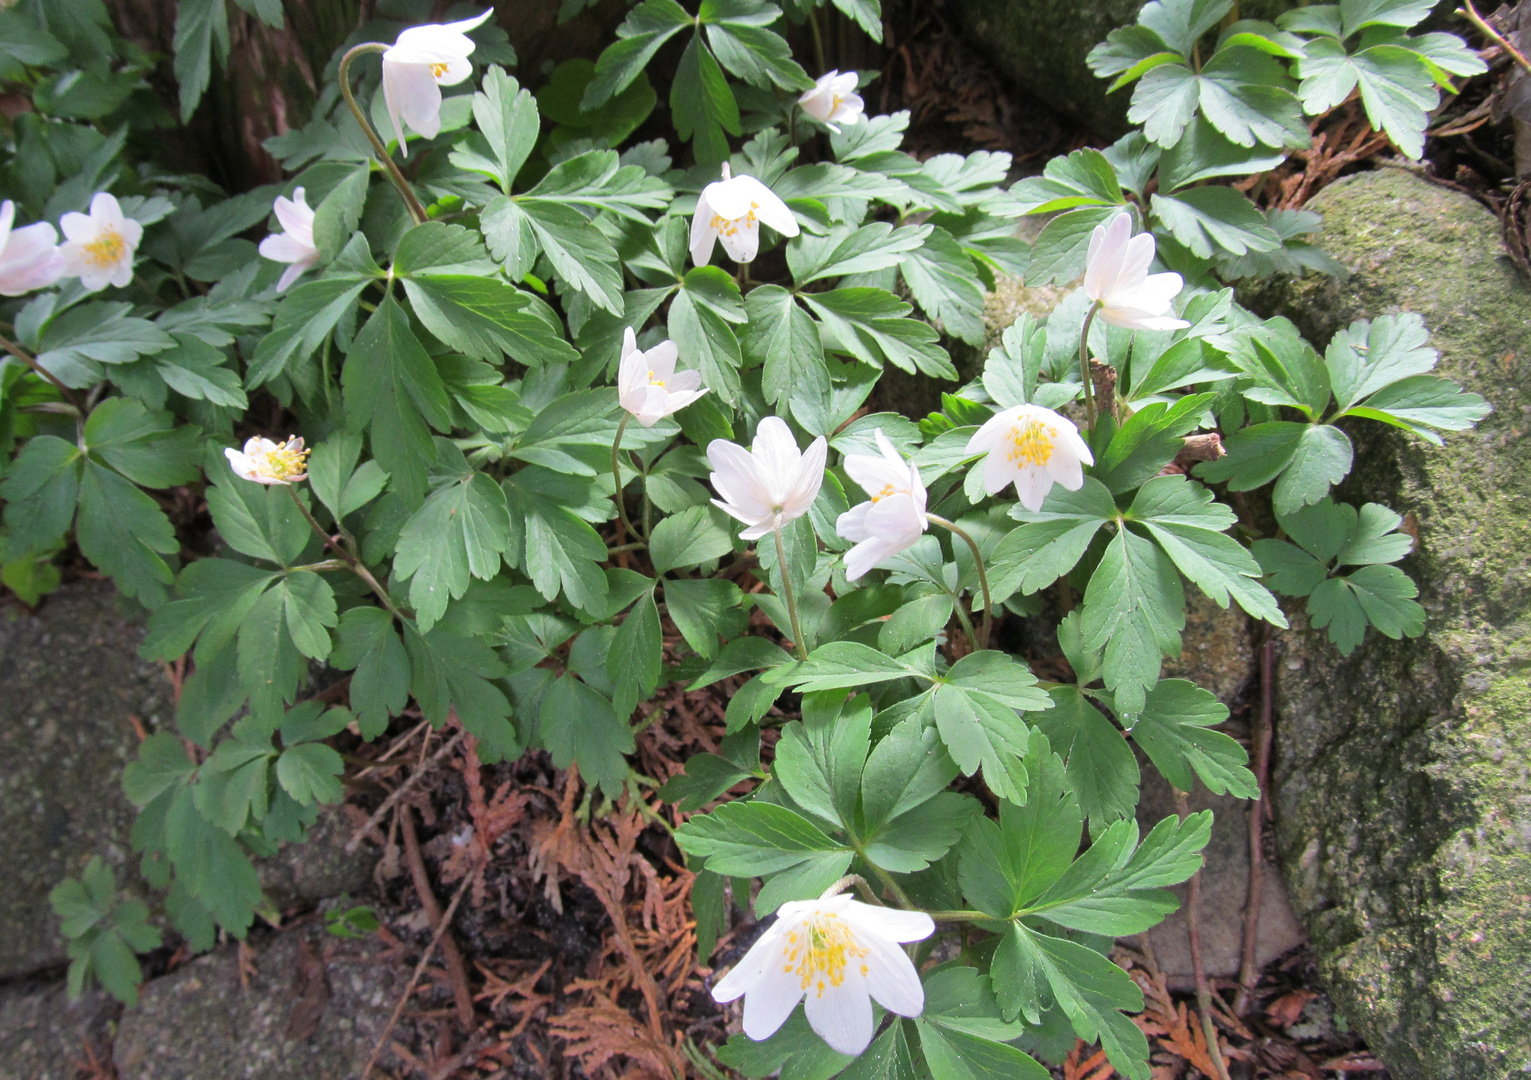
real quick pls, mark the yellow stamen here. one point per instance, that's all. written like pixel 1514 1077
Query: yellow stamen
pixel 106 249
pixel 829 944
pixel 1031 442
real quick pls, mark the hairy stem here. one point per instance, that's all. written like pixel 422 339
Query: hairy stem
pixel 983 577
pixel 616 479
pixel 1084 367
pixel 786 593
pixel 416 210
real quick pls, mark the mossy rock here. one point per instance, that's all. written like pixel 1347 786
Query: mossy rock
pixel 1403 772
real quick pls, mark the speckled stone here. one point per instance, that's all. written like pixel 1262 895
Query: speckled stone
pixel 200 1023
pixel 45 1036
pixel 1403 772
pixel 72 679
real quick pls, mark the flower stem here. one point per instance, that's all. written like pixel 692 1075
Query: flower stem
pixel 786 592
pixel 616 479
pixel 983 577
pixel 416 210
pixel 1084 367
pixel 355 564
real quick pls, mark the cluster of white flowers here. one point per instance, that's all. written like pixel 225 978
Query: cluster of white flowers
pixel 98 248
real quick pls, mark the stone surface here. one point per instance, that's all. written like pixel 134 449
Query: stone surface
pixel 1403 773
pixel 72 681
pixel 45 1036
pixel 313 1008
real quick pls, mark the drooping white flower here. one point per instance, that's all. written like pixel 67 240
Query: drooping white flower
pixel 29 256
pixel 769 484
pixel 834 100
pixel 893 518
pixel 840 954
pixel 1116 277
pixel 730 210
pixel 418 65
pixel 295 245
pixel 1033 447
pixel 268 462
pixel 99 246
pixel 648 386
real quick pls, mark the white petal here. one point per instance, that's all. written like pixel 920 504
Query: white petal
pixel 842 1015
pixel 891 977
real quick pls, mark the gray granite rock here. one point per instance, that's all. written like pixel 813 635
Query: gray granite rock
pixel 73 681
pixel 312 1010
pixel 1403 772
pixel 45 1036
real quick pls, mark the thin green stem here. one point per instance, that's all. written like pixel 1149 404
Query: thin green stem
pixel 416 210
pixel 351 561
pixel 786 593
pixel 1084 367
pixel 616 479
pixel 983 577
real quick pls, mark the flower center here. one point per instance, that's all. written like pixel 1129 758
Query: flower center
pixel 106 249
pixel 285 461
pixel 439 70
pixel 818 952
pixel 887 490
pixel 730 226
pixel 1031 442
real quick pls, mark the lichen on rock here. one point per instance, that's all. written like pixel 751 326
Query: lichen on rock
pixel 1403 772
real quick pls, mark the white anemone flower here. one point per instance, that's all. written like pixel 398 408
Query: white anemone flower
pixel 29 256
pixel 840 954
pixel 296 244
pixel 648 386
pixel 834 100
pixel 268 462
pixel 770 484
pixel 731 210
pixel 100 245
pixel 418 65
pixel 1116 277
pixel 892 519
pixel 1033 447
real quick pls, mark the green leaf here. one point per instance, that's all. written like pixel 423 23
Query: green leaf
pixel 688 538
pixel 1174 731
pixel 366 642
pixel 461 530
pixel 580 727
pixel 640 36
pixel 634 661
pixel 391 384
pixel 1134 610
pixel 702 106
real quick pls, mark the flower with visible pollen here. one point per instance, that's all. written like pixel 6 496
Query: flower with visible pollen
pixel 1033 447
pixel 417 65
pixel 100 244
pixel 839 954
pixel 892 519
pixel 731 211
pixel 268 462
pixel 834 100
pixel 648 386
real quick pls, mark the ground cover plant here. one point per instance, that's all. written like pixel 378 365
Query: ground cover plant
pixel 502 399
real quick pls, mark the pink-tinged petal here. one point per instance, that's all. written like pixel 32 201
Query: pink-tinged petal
pixel 1032 486
pixel 851 525
pixel 661 359
pixel 742 242
pixel 77 228
pixel 998 471
pixel 295 271
pixel 891 977
pixel 841 1015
